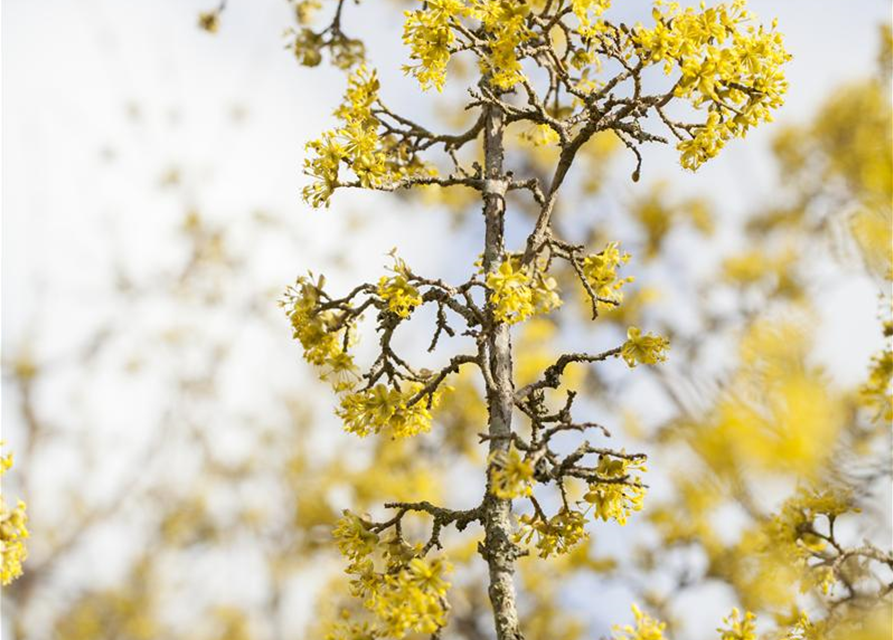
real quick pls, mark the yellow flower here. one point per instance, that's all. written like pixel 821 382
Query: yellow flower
pixel 723 62
pixel 616 500
pixel 429 36
pixel 583 8
pixel 353 537
pixel 323 333
pixel 510 293
pixel 516 295
pixel 13 532
pixel 373 159
pixel 511 476
pixel 647 628
pixel 384 408
pixel 428 576
pixel 739 628
pixel 555 536
pixel 5 462
pixel 540 135
pixel 643 349
pixel 401 296
pixel 506 25
pixel 408 595
pixel 600 271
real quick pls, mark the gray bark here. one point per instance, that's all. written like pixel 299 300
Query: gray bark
pixel 499 550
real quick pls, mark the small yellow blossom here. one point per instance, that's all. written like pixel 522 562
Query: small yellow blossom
pixel 510 293
pixel 401 296
pixel 724 62
pixel 409 595
pixel 372 158
pixel 643 349
pixel 600 271
pixel 516 295
pixel 322 332
pixel 13 533
pixel 354 538
pixel 622 494
pixel 647 628
pixel 506 25
pixel 555 536
pixel 739 628
pixel 540 135
pixel 428 34
pixel 511 476
pixel 585 10
pixel 384 408
pixel 6 462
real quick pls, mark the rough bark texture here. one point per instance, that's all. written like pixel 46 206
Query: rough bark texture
pixel 500 551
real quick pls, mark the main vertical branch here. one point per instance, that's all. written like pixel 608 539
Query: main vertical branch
pixel 500 551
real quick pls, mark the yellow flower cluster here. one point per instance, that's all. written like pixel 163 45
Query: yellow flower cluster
pixel 408 595
pixel 357 144
pixel 600 271
pixel 619 495
pixel 325 330
pixel 776 553
pixel 13 532
pixel 516 294
pixel 586 10
pixel 540 135
pixel 430 37
pixel 383 408
pixel 308 44
pixel 555 536
pixel 647 628
pixel 791 525
pixel 505 21
pixel 323 333
pixel 724 62
pixel 614 500
pixel 739 628
pixel 643 349
pixel 511 476
pixel 430 34
pixel 354 537
pixel 345 629
pixel 401 296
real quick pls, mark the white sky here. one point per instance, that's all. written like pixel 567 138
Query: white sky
pixel 72 70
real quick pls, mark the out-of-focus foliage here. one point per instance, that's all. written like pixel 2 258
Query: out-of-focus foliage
pixel 777 425
pixel 13 532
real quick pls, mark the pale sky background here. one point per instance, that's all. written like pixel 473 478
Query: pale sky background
pixel 102 97
pixel 76 72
